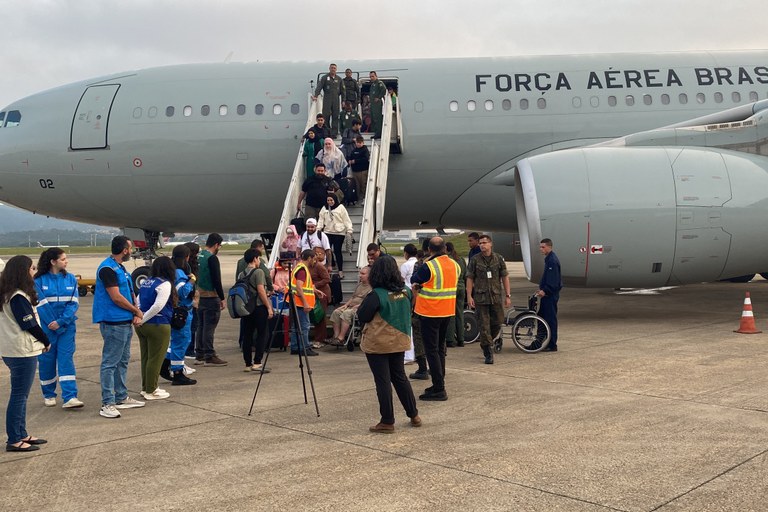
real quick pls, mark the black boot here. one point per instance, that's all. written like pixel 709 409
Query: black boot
pixel 488 353
pixel 165 370
pixel 421 373
pixel 179 379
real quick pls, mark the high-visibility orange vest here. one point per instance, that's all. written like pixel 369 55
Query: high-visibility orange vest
pixel 437 297
pixel 308 288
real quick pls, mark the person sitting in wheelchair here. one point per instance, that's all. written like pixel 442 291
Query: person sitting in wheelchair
pixel 343 316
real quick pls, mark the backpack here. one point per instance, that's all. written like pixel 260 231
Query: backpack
pixel 241 299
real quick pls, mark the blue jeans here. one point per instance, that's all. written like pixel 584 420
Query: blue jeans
pixel 114 362
pixel 304 324
pixel 22 375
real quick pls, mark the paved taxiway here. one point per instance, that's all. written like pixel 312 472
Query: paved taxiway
pixel 652 403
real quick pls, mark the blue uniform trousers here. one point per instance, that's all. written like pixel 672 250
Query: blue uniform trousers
pixel 548 311
pixel 60 356
pixel 180 340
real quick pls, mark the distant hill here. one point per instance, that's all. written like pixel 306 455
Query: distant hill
pixel 16 219
pixel 20 228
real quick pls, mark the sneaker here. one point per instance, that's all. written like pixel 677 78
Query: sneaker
pixel 179 379
pixel 215 361
pixel 158 394
pixel 419 375
pixel 260 368
pixel 434 396
pixel 50 402
pixel 129 403
pixel 109 411
pixel 199 361
pixel 188 370
pixel 165 369
pixel 72 403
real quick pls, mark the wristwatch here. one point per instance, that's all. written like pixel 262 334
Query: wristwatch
pixel 509 296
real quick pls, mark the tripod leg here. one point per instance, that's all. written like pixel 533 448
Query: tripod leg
pixel 271 340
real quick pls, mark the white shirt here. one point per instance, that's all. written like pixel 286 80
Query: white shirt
pixel 406 270
pixel 308 241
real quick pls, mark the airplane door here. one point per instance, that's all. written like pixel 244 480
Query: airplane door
pixel 89 126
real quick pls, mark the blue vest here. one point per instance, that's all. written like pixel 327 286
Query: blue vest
pixel 184 287
pixel 147 296
pixel 104 310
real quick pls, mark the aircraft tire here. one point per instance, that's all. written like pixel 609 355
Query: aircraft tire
pixel 741 279
pixel 82 291
pixel 138 276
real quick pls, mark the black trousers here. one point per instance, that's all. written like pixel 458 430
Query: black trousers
pixel 433 331
pixel 255 327
pixel 388 370
pixel 208 314
pixel 337 244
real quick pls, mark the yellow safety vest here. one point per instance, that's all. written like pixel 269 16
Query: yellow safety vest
pixel 308 288
pixel 437 297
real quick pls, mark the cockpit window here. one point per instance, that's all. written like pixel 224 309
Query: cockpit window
pixel 2 118
pixel 13 118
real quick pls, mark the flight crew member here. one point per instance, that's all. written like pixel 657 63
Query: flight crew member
pixel 486 274
pixel 436 283
pixel 549 290
pixel 211 302
pixel 350 89
pixel 59 301
pixel 115 312
pixel 348 118
pixel 330 84
pixel 303 293
pixel 377 93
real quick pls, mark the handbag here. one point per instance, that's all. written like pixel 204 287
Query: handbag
pixel 317 314
pixel 179 317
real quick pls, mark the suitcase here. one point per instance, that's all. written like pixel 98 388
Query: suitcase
pixel 336 294
pixel 282 336
pixel 300 224
pixel 349 186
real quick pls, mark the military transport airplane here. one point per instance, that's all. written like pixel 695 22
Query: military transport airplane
pixel 646 170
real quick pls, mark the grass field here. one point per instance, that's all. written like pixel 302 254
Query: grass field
pixel 36 251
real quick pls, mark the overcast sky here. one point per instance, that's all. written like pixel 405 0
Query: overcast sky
pixel 46 43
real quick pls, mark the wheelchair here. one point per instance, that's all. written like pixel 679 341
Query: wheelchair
pixel 529 332
pixel 354 335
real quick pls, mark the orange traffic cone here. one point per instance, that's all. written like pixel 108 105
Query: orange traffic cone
pixel 747 325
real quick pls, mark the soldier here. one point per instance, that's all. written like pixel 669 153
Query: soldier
pixel 347 118
pixel 377 93
pixel 350 89
pixel 485 275
pixel 330 84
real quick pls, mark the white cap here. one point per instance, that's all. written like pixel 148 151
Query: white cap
pixel 311 221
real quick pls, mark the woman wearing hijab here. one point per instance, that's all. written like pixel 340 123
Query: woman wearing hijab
pixel 21 341
pixel 335 222
pixel 291 242
pixel 333 159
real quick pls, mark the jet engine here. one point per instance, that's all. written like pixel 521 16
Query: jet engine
pixel 644 216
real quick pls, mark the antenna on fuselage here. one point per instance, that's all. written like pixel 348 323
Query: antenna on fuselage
pixel 228 57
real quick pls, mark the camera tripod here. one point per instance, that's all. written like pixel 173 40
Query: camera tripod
pixel 303 358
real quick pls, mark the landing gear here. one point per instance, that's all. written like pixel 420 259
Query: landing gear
pixel 138 276
pixel 145 243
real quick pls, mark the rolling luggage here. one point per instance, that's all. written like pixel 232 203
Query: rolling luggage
pixel 336 294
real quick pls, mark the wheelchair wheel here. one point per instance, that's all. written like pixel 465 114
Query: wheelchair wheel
pixel 498 341
pixel 530 333
pixel 471 329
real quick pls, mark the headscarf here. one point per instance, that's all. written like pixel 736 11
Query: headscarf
pixel 335 202
pixel 334 159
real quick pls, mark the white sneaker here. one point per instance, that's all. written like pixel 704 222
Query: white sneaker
pixel 187 370
pixel 157 394
pixel 109 411
pixel 50 402
pixel 129 403
pixel 72 403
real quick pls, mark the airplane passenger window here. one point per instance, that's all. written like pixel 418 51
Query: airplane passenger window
pixel 576 102
pixel 259 110
pixel 12 118
pixel 665 99
pixel 136 113
pixel 594 101
pixel 152 112
pixel 683 98
pixel 629 100
pixel 647 99
pixel 241 110
pixel 700 98
pixel 205 110
pixel 506 105
pixel 471 105
pixel 523 104
pixel 453 106
pixel 169 111
pixel 718 97
pixel 541 103
pixel 418 107
pixel 612 101
pixel 736 96
pixel 295 108
pixel 753 96
pixel 187 111
pixel 488 105
pixel 277 109
pixel 223 109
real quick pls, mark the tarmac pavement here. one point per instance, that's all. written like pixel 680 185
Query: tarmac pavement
pixel 651 403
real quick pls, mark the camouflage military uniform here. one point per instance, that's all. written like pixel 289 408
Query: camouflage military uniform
pixel 488 293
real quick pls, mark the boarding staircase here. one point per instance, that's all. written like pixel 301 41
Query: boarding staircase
pixel 367 219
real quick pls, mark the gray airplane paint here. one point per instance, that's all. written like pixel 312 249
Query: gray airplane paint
pixel 230 172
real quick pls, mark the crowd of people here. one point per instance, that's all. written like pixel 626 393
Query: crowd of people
pixel 178 307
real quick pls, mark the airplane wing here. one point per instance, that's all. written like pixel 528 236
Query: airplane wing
pixel 679 204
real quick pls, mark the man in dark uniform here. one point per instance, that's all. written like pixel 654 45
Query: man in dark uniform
pixel 549 290
pixel 377 93
pixel 330 84
pixel 350 89
pixel 485 275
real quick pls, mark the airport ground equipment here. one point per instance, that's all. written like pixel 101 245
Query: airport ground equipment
pixel 522 324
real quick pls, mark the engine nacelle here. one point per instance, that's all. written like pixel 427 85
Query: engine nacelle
pixel 644 217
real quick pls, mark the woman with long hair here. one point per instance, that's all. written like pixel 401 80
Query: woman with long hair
pixel 173 368
pixel 21 341
pixel 59 302
pixel 157 298
pixel 194 269
pixel 334 221
pixel 386 313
